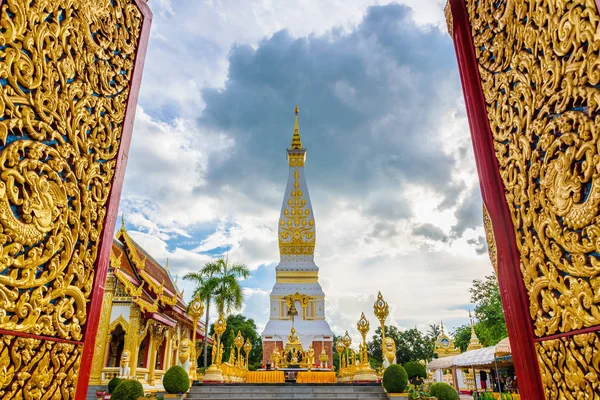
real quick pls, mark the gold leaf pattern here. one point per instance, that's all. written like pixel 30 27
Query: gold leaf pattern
pixel 297 227
pixel 65 72
pixel 570 367
pixel 39 369
pixel 538 62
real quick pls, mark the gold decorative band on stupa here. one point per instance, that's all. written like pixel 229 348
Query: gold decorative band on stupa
pixel 296 226
pixel 297 277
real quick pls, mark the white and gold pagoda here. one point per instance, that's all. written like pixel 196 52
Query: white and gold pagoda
pixel 297 275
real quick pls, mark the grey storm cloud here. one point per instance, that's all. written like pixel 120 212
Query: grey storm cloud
pixel 430 231
pixel 469 213
pixel 480 244
pixel 370 108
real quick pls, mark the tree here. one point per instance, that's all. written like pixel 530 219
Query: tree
pixel 491 326
pixel 218 281
pixel 227 292
pixel 434 332
pixel 204 289
pixel 247 327
pixel 411 345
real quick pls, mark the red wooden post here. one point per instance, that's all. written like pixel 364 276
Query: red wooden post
pixel 101 270
pixel 512 290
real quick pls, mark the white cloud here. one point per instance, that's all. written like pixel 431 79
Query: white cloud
pixel 364 241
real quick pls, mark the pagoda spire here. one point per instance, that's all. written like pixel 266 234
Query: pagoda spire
pixel 296 141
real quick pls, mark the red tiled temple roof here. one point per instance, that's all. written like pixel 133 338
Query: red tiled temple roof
pixel 148 283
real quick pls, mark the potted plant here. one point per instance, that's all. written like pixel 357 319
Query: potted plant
pixel 395 381
pixel 128 389
pixel 176 382
pixel 100 394
pixel 443 391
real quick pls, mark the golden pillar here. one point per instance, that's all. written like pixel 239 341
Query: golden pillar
pixel 214 374
pixel 239 342
pixel 382 310
pixel 134 338
pixel 247 349
pixel 101 348
pixel 195 312
pixel 364 372
pixel 157 335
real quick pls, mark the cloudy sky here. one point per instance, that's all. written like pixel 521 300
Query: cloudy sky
pixel 390 166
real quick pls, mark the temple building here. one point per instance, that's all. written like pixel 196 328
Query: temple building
pixel 144 328
pixel 444 345
pixel 297 275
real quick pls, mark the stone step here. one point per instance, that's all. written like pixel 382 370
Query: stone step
pixel 287 392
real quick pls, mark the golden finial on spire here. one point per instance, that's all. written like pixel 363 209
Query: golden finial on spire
pixel 123 222
pixel 296 142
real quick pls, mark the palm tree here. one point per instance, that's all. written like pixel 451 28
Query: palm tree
pixel 223 279
pixel 203 291
pixel 434 331
pixel 218 281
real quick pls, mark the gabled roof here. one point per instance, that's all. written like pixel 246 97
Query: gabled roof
pixel 147 282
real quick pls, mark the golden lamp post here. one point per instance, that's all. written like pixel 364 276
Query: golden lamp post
pixel 364 372
pixel 247 349
pixel 347 341
pixel 214 374
pixel 239 342
pixel 195 312
pixel 339 347
pixel 381 310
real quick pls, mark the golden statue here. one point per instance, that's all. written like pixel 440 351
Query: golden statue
pixel 275 358
pixel 220 358
pixel 389 352
pixel 310 356
pixel 214 350
pixel 184 351
pixel 232 357
pixel 293 337
pixel 124 370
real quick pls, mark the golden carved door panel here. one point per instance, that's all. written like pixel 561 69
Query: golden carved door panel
pixel 69 76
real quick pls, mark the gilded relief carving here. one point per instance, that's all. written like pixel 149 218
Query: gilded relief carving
pixel 65 72
pixel 297 226
pixel 540 76
pixel 38 369
pixel 491 241
pixel 570 367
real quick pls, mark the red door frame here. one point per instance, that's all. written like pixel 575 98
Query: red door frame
pixel 514 298
pixel 112 209
pixel 101 266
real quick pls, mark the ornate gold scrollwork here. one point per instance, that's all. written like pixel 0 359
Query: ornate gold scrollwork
pixel 540 76
pixel 297 227
pixel 491 241
pixel 38 369
pixel 570 367
pixel 65 72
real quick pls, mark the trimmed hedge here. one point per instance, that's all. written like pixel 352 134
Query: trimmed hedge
pixel 415 369
pixel 176 380
pixel 112 384
pixel 395 379
pixel 443 391
pixel 128 390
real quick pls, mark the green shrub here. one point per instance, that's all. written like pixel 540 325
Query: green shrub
pixel 176 380
pixel 415 370
pixel 128 390
pixel 395 379
pixel 112 384
pixel 443 391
